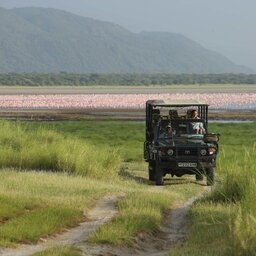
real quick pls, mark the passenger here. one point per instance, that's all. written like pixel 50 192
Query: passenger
pixel 168 133
pixel 197 127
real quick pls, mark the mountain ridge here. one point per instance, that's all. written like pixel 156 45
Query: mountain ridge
pixel 49 40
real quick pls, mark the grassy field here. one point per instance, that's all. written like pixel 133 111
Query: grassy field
pixel 34 185
pixel 224 222
pixel 52 172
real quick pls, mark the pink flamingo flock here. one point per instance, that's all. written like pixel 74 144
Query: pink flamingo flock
pixel 132 101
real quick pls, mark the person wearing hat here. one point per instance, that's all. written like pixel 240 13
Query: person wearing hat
pixel 167 133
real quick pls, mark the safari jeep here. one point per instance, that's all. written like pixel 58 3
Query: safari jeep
pixel 173 145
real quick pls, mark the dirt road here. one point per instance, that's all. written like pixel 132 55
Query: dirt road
pixel 173 232
pixel 102 213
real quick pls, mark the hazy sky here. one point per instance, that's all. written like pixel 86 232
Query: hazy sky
pixel 226 26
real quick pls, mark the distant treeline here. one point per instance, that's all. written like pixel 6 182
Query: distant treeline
pixel 37 79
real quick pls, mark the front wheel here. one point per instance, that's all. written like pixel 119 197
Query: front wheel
pixel 210 176
pixel 152 170
pixel 159 175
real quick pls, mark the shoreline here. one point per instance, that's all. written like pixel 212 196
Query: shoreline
pixel 113 114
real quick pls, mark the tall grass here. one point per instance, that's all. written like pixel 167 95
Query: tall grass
pixel 243 178
pixel 223 223
pixel 238 189
pixel 35 204
pixel 126 137
pixel 43 149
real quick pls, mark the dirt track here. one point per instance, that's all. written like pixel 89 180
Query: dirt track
pixel 173 232
pixel 103 212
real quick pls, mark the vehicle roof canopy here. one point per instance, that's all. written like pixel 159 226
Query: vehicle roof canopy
pixel 176 103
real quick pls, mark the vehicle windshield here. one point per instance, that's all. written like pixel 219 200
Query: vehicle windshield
pixel 179 128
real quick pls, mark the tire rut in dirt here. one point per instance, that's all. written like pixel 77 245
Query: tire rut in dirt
pixel 102 213
pixel 173 232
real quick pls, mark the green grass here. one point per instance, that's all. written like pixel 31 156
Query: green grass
pixel 210 234
pixel 60 251
pixel 144 208
pixel 45 192
pixel 30 227
pixel 141 211
pixel 38 204
pixel 41 204
pixel 42 149
pixel 124 137
pixel 224 222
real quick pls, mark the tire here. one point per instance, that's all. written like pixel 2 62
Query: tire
pixel 152 170
pixel 199 176
pixel 210 175
pixel 159 175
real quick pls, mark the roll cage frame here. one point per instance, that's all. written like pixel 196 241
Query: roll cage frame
pixel 154 116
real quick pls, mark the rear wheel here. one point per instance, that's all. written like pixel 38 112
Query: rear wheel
pixel 210 175
pixel 152 170
pixel 159 175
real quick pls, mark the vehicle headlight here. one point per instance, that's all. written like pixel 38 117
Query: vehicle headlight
pixel 203 152
pixel 170 152
pixel 211 150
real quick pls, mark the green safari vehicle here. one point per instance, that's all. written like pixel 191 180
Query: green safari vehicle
pixel 178 141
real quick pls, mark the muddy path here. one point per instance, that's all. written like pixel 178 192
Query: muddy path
pixel 173 232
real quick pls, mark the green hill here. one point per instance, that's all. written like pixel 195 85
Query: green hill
pixel 50 40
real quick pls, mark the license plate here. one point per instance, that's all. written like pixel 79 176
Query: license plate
pixel 187 164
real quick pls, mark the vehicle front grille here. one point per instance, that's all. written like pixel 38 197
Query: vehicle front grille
pixel 187 151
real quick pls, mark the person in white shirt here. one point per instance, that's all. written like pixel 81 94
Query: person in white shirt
pixel 197 127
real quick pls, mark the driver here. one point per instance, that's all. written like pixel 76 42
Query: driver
pixel 167 133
